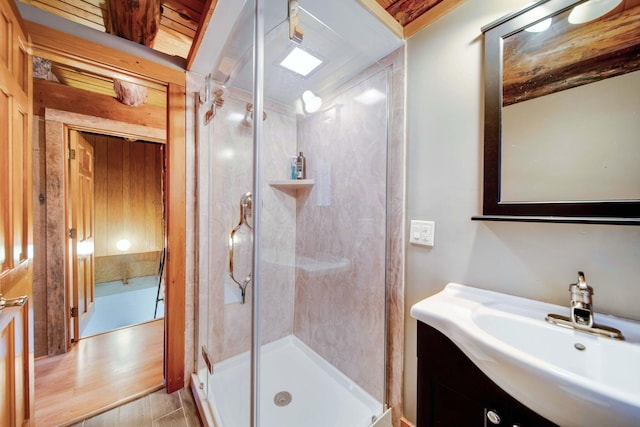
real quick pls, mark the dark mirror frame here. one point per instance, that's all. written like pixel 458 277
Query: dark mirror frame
pixel 596 211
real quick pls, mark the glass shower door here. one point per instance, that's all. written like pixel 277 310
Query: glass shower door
pixel 323 238
pixel 316 351
pixel 225 183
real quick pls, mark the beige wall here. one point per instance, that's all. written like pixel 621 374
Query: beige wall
pixel 532 260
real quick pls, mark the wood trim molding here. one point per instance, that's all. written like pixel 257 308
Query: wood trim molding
pixel 384 17
pixel 100 112
pixel 431 16
pixel 175 201
pixel 96 58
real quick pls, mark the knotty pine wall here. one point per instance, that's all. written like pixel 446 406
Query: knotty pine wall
pixel 128 205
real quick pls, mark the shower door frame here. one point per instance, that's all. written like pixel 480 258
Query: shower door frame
pixel 258 130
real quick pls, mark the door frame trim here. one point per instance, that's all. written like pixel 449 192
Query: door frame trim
pixel 65 48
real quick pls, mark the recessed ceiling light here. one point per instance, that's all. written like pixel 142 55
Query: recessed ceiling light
pixel 301 62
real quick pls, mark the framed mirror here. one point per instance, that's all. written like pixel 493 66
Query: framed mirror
pixel 562 113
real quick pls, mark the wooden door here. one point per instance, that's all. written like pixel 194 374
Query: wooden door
pixel 81 214
pixel 16 228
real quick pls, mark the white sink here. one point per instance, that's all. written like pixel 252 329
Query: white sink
pixel 538 363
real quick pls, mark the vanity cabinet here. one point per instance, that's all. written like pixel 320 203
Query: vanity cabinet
pixel 454 392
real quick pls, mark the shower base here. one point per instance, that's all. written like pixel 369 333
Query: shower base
pixel 297 388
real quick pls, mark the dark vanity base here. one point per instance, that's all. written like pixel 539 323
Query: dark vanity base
pixel 453 391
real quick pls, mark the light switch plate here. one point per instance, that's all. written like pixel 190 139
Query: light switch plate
pixel 422 232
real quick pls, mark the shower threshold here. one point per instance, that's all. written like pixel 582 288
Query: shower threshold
pixel 298 388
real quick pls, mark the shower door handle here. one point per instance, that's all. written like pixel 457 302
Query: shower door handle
pixel 245 211
pixel 247 280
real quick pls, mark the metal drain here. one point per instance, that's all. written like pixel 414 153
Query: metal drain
pixel 282 398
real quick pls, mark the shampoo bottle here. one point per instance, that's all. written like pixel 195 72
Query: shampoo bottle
pixel 293 174
pixel 301 167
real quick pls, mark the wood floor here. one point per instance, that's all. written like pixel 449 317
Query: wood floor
pixel 100 373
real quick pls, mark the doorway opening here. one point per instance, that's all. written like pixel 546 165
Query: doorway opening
pixel 128 249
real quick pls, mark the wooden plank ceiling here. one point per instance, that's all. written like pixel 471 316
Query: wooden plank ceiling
pixel 178 23
pixel 407 11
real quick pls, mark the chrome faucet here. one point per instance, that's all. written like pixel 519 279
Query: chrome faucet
pixel 581 312
pixel 581 302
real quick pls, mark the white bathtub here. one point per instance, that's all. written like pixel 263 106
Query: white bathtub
pixel 320 394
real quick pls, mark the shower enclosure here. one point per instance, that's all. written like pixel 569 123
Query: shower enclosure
pixel 292 273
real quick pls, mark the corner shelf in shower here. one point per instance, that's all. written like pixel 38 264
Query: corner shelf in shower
pixel 292 184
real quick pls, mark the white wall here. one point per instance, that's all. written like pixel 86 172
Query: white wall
pixel 533 260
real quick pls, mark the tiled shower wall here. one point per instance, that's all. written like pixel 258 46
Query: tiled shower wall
pixel 341 226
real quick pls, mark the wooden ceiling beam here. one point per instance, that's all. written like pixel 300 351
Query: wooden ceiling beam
pixel 98 59
pixel 46 94
pixel 135 20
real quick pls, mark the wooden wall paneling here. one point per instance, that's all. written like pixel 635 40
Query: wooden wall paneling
pixel 58 332
pixel 16 219
pixel 158 203
pixel 128 228
pixel 16 191
pixel 110 268
pixel 5 39
pixel 17 155
pixel 115 208
pixel 5 233
pixel 141 221
pixel 7 380
pixel 175 275
pixel 137 197
pixel 159 198
pixel 100 193
pixel 151 183
pixel 132 175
